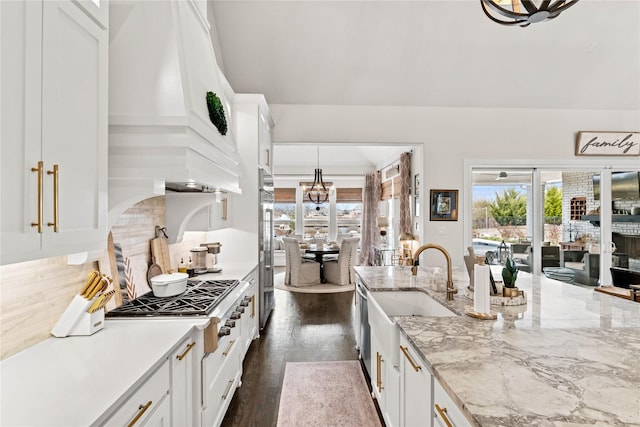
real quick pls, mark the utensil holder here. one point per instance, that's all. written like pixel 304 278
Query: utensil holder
pixel 76 321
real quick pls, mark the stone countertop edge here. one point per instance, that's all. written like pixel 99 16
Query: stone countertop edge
pixel 568 356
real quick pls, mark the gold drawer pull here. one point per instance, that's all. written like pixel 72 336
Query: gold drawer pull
pixel 141 410
pixel 40 178
pixel 226 352
pixel 379 371
pixel 224 209
pixel 189 347
pixel 406 354
pixel 227 391
pixel 443 414
pixel 54 224
pixel 253 306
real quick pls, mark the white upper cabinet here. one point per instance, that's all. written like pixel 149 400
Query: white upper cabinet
pixel 54 130
pixel 253 128
pixel 97 9
pixel 265 146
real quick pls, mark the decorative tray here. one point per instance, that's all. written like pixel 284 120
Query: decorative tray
pixel 521 299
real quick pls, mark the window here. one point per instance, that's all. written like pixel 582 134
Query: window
pixel 349 210
pixel 284 211
pixel 316 219
pixel 330 219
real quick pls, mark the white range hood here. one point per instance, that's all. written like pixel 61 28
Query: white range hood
pixel 162 65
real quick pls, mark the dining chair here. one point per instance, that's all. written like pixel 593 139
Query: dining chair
pixel 338 271
pixel 299 271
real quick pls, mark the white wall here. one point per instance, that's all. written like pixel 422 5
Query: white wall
pixel 450 136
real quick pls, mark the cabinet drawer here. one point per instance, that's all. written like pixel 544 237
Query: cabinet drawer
pixel 144 401
pixel 222 381
pixel 442 401
pixel 213 364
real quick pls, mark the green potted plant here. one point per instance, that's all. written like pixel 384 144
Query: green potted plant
pixel 509 276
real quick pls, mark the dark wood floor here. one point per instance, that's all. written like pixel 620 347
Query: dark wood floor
pixel 301 328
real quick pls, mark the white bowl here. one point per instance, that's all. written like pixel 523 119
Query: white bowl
pixel 168 285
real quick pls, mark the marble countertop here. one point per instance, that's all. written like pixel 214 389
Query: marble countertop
pixel 569 356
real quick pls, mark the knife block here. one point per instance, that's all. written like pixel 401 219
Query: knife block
pixel 76 321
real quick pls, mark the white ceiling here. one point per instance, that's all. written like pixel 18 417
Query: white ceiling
pixel 334 159
pixel 428 53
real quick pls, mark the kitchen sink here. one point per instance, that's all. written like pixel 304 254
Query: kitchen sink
pixel 410 303
pixel 384 304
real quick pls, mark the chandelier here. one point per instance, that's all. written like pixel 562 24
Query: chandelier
pixel 524 12
pixel 318 193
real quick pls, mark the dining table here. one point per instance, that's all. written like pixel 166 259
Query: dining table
pixel 320 252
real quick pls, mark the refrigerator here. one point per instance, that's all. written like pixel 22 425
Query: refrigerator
pixel 265 247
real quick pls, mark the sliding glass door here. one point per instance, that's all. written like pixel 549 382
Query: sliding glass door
pixel 502 215
pixel 581 226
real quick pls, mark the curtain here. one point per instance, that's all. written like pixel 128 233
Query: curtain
pixel 405 187
pixel 370 202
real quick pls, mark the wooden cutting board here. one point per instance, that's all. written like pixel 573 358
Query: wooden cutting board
pixel 160 251
pixel 113 269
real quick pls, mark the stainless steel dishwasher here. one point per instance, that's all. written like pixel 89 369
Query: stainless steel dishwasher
pixel 365 329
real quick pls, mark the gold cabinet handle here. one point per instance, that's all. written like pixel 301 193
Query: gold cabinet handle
pixel 54 224
pixel 443 414
pixel 379 371
pixel 228 390
pixel 224 209
pixel 253 306
pixel 413 364
pixel 226 352
pixel 141 410
pixel 40 179
pixel 188 349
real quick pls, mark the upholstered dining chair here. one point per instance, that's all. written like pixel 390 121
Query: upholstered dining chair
pixel 338 272
pixel 299 271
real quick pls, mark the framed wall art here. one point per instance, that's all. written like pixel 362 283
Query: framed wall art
pixel 444 205
pixel 590 143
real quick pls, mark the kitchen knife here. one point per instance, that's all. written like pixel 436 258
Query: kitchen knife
pixel 93 288
pixel 90 278
pixel 101 302
pixel 102 285
pixel 94 284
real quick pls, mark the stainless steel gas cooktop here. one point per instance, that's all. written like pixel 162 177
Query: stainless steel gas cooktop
pixel 200 298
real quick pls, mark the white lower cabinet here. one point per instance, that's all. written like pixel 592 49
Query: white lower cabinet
pixel 415 390
pixel 161 417
pixel 385 381
pixel 148 405
pixel 183 384
pixel 445 412
pixel 249 322
pixel 221 372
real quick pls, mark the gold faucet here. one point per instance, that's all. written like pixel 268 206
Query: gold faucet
pixel 416 261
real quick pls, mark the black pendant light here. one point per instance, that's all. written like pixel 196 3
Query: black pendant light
pixel 524 12
pixel 318 192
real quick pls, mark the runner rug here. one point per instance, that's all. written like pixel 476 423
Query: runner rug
pixel 326 394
